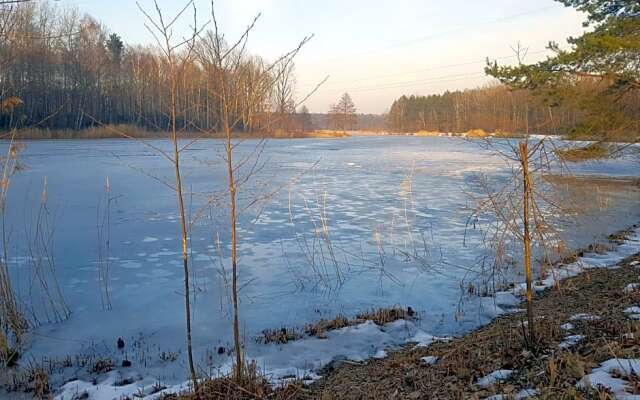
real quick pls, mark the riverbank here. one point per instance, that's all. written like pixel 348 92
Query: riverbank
pixel 588 347
pixel 583 324
pixel 135 132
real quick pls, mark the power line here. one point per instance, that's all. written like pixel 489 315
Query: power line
pixel 461 64
pixel 399 85
pixel 439 34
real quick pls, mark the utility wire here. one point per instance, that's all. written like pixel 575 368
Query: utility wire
pixel 461 64
pixel 439 34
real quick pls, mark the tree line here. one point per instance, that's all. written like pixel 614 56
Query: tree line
pixel 64 70
pixel 497 107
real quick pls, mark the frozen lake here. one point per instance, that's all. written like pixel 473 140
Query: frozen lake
pixel 396 210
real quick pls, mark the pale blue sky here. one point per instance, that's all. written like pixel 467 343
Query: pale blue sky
pixel 375 50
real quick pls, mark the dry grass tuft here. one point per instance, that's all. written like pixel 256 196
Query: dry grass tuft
pixel 115 132
pixel 96 132
pixel 279 336
pixel 476 133
pixel 593 151
pixel 320 328
pixel 507 135
pixel 253 385
pixel 383 316
pixel 428 134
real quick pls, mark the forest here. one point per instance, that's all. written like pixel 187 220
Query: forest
pixel 498 108
pixel 65 70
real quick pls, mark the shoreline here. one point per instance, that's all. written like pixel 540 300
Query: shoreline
pixel 334 373
pixel 585 326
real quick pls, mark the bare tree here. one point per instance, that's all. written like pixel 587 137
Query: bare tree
pixel 177 54
pixel 523 211
pixel 283 93
pixel 225 61
pixel 343 114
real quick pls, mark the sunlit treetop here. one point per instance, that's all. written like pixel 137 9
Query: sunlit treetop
pixel 601 10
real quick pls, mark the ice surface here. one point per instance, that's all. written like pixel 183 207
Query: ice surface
pixel 426 248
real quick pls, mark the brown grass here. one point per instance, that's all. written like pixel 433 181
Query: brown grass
pixel 252 386
pixel 113 132
pixel 476 133
pixel 428 134
pixel 319 329
pixel 593 151
pixel 507 135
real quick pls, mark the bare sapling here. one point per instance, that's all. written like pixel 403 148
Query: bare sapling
pixel 526 239
pixel 524 213
pixel 177 55
pixel 240 91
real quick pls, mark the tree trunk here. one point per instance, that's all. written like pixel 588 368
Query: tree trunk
pixel 183 225
pixel 526 178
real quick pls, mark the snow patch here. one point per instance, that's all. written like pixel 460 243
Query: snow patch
pixel 601 377
pixel 571 341
pixel 584 317
pixel 521 395
pixel 430 360
pixel 495 377
pixel 632 287
pixel 423 339
pixel 567 327
pixel 380 355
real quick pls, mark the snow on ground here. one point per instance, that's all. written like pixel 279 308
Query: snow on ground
pixel 429 360
pixel 495 377
pixel 571 341
pixel 602 377
pixel 632 287
pixel 567 327
pixel 584 317
pixel 299 359
pixel 521 395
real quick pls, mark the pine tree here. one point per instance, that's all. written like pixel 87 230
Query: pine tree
pixel 116 48
pixel 606 56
